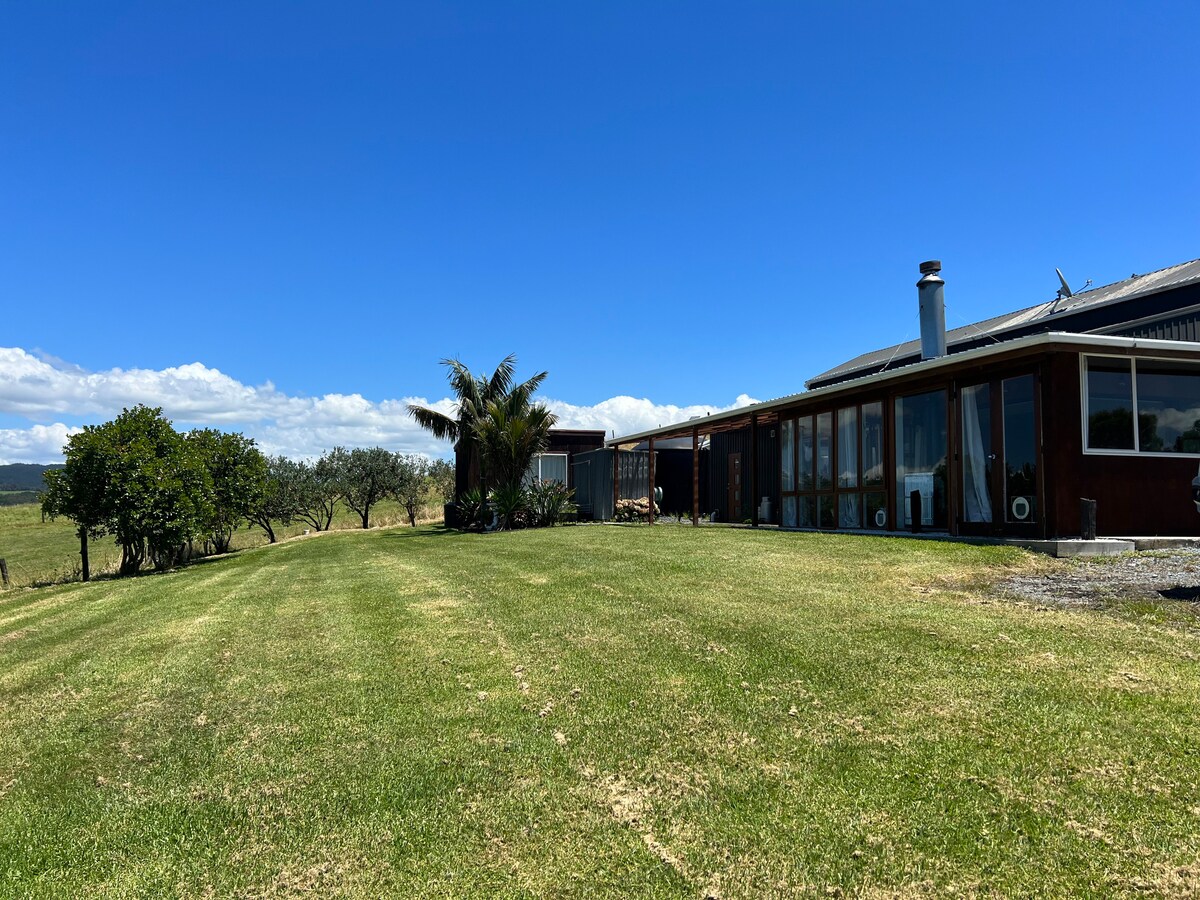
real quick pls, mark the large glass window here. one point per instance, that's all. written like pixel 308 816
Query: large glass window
pixel 875 511
pixel 804 442
pixel 1168 404
pixel 1109 404
pixel 787 456
pixel 872 444
pixel 824 451
pixel 826 513
pixel 1164 394
pixel 848 511
pixel 975 415
pixel 789 512
pixel 847 447
pixel 806 516
pixel 921 458
pixel 837 455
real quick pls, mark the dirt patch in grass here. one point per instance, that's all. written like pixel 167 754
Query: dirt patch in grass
pixel 1162 584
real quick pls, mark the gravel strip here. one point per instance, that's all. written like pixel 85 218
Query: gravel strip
pixel 1155 575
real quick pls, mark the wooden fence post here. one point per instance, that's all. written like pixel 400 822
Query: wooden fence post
pixel 650 480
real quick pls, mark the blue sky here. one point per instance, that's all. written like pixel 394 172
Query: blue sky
pixel 677 203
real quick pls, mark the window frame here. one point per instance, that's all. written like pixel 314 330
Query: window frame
pixel 1137 436
pixel 832 494
pixel 566 458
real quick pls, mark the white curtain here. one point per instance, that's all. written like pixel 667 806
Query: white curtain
pixel 977 500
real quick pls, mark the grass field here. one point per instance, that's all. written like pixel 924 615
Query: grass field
pixel 592 712
pixel 47 552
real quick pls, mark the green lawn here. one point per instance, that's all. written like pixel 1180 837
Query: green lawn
pixel 40 552
pixel 592 712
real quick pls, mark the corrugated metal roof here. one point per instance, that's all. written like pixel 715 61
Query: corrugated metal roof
pixel 1130 288
pixel 1095 342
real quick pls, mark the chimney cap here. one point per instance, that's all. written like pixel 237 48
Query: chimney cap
pixel 931 267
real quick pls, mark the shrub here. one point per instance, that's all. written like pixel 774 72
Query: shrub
pixel 550 503
pixel 470 510
pixel 511 506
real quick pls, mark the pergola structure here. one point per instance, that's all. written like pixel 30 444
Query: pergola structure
pixel 735 420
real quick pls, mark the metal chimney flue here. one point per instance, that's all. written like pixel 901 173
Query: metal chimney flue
pixel 931 296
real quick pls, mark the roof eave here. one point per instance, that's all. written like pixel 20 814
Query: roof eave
pixel 929 365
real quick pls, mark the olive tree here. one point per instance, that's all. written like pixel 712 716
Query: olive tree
pixel 412 484
pixel 321 487
pixel 282 499
pixel 367 477
pixel 441 479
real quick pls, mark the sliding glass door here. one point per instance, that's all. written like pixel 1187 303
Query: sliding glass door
pixel 1000 453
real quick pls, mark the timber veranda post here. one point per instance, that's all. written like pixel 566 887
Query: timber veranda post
pixel 754 469
pixel 695 476
pixel 650 521
pixel 616 478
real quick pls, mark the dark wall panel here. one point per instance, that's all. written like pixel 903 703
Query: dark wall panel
pixel 1135 495
pixel 723 445
pixel 768 469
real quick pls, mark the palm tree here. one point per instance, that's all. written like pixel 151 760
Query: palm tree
pixel 512 431
pixel 472 395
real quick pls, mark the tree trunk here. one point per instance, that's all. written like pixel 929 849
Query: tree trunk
pixel 83 552
pixel 366 517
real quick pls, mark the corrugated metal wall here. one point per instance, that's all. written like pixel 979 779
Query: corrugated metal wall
pixel 768 469
pixel 672 472
pixel 1184 327
pixel 593 480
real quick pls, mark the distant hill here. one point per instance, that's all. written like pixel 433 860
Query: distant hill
pixel 23 476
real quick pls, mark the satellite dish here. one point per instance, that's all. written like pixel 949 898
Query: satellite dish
pixel 1065 290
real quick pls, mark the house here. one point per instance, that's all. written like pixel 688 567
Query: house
pixel 552 464
pixel 998 429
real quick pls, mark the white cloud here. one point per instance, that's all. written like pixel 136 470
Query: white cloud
pixel 628 415
pixel 40 389
pixel 38 444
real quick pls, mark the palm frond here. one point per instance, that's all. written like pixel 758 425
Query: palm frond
pixel 438 424
pixel 501 381
pixel 527 389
